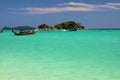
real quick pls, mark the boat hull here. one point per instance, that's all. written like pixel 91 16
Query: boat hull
pixel 24 33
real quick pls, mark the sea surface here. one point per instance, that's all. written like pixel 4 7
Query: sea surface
pixel 60 55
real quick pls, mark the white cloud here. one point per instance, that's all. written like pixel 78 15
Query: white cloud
pixel 71 6
pixel 54 10
pixel 114 6
pixel 77 4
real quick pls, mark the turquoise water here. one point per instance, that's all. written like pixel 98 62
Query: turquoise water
pixel 61 55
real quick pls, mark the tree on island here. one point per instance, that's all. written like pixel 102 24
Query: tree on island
pixel 68 25
pixel 45 27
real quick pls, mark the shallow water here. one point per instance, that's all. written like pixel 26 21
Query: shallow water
pixel 61 55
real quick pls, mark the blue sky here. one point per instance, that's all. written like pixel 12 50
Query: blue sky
pixel 90 13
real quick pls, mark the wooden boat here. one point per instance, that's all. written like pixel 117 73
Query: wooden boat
pixel 25 32
pixel 1 30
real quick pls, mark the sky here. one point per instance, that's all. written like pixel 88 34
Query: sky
pixel 90 13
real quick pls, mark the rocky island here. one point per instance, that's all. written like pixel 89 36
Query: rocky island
pixel 68 25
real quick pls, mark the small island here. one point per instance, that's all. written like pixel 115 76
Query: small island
pixel 18 28
pixel 68 25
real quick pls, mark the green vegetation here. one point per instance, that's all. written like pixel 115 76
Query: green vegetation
pixel 69 25
pixel 45 27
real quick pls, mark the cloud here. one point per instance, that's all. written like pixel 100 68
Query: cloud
pixel 70 6
pixel 115 6
pixel 76 4
pixel 54 10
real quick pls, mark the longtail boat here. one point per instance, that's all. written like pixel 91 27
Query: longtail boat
pixel 1 30
pixel 25 32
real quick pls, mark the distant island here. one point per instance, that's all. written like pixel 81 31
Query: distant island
pixel 19 27
pixel 68 25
